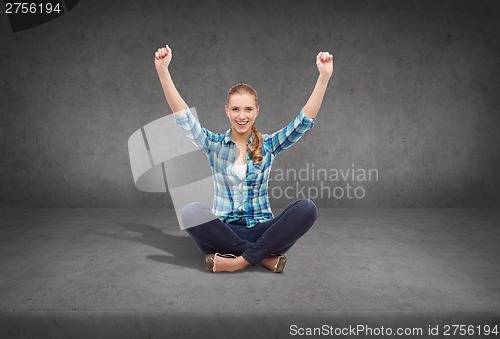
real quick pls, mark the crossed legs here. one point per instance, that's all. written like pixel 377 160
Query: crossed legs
pixel 265 240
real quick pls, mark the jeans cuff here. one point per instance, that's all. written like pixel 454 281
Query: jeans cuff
pixel 244 255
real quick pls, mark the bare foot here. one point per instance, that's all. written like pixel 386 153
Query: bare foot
pixel 230 264
pixel 270 261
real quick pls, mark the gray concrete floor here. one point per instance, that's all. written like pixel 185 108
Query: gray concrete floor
pixel 61 263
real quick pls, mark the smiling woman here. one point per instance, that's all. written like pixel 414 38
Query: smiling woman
pixel 242 108
pixel 241 222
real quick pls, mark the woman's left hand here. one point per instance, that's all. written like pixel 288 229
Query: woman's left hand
pixel 324 61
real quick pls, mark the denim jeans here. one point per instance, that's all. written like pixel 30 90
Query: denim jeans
pixel 275 236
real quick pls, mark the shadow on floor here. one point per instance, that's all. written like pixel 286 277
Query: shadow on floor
pixel 184 252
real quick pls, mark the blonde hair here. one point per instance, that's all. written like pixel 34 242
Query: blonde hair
pixel 255 149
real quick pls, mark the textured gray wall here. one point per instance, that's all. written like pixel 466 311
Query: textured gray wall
pixel 415 95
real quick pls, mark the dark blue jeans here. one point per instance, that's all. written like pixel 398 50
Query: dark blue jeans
pixel 275 236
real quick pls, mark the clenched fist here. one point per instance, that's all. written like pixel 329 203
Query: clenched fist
pixel 324 61
pixel 163 56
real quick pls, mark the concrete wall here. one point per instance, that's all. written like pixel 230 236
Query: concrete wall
pixel 415 95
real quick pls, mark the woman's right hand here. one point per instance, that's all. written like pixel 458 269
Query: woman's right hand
pixel 163 56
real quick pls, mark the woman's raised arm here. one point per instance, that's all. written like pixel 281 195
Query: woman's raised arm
pixel 162 59
pixel 324 61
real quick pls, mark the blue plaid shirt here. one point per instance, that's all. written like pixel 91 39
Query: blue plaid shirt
pixel 248 198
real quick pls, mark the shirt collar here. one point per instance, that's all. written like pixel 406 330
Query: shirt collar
pixel 227 137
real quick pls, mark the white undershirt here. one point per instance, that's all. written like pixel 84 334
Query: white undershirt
pixel 240 170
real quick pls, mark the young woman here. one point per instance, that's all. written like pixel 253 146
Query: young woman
pixel 240 223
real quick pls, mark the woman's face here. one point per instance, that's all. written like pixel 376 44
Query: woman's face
pixel 242 112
